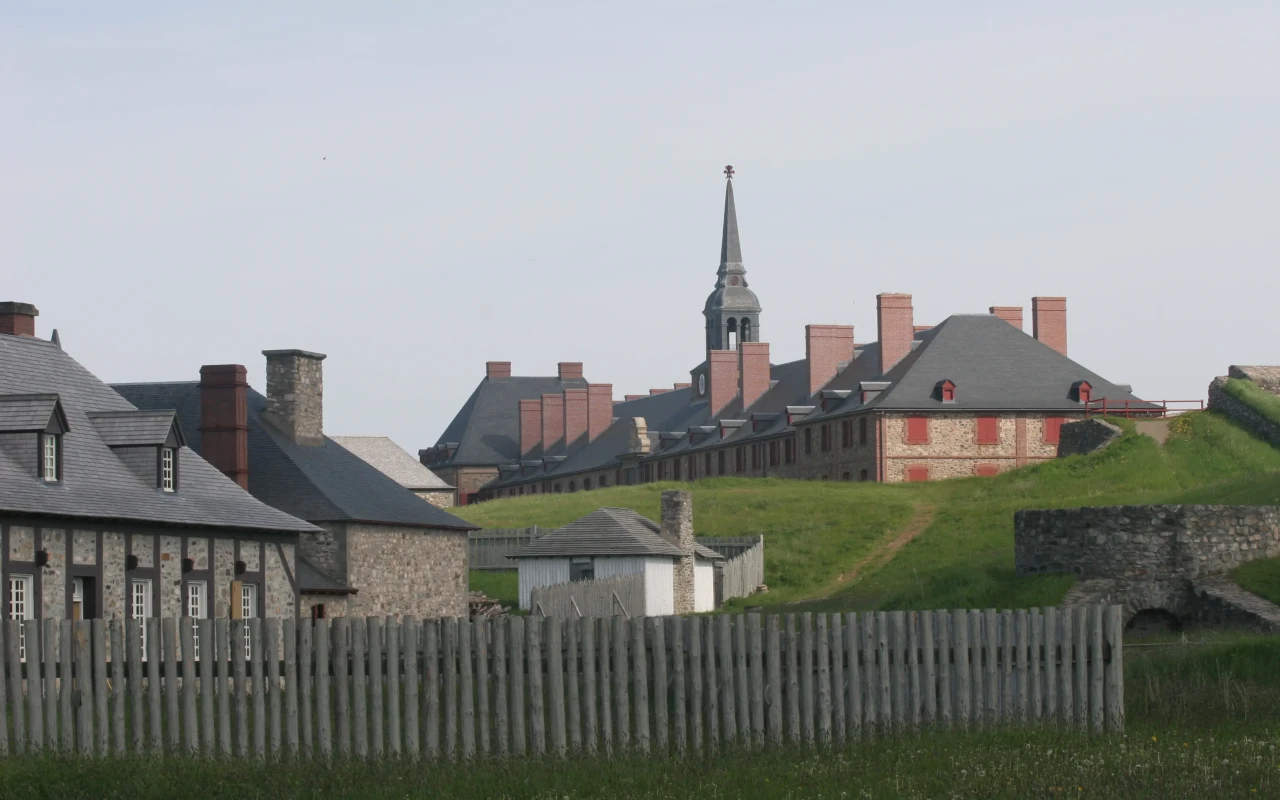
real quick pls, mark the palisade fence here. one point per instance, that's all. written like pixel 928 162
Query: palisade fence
pixel 730 546
pixel 354 687
pixel 743 572
pixel 621 595
pixel 489 548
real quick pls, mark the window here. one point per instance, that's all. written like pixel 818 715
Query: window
pixel 862 475
pixel 917 430
pixel 846 476
pixel 846 433
pixel 49 466
pixel 988 430
pixel 22 605
pixel 168 475
pixel 582 568
pixel 808 441
pixel 572 485
pixel 557 488
pixel 739 459
pixel 248 610
pixel 948 390
pixel 773 453
pixel 197 593
pixel 987 470
pixel 917 474
pixel 77 598
pixel 862 430
pixel 1053 429
pixel 706 465
pixel 586 484
pixel 140 608
pixel 720 461
pixel 826 437
pixel 317 611
pixel 755 456
pixel 675 469
pixel 789 448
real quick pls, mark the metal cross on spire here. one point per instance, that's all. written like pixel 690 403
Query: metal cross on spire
pixel 728 171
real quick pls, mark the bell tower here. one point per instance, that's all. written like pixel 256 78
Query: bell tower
pixel 732 310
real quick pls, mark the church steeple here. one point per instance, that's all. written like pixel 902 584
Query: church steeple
pixel 732 310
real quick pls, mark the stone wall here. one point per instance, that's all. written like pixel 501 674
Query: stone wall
pixel 402 570
pixel 1144 543
pixel 677 528
pixel 440 498
pixel 1086 436
pixel 1232 408
pixel 1267 378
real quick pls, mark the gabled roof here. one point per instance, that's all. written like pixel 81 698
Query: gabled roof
pixel 487 427
pixel 21 413
pixel 95 483
pixel 391 460
pixel 137 428
pixel 319 483
pixel 608 532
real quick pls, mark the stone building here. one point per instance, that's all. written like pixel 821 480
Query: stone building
pixel 972 395
pixel 389 459
pixel 107 512
pixel 376 548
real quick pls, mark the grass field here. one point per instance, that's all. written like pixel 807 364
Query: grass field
pixel 1202 722
pixel 816 533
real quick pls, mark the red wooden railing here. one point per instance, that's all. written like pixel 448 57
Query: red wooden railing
pixel 1140 408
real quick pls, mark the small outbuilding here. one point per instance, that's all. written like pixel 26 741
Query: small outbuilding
pixel 679 574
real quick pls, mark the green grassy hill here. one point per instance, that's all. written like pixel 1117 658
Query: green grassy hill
pixel 834 546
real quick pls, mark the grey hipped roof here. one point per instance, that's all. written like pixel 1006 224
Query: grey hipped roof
pixel 608 532
pixel 136 428
pixel 95 483
pixel 320 483
pixel 391 460
pixel 487 427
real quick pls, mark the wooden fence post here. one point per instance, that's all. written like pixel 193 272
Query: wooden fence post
pixel 515 666
pixel 190 731
pixel 466 689
pixel 35 690
pixel 1080 625
pixel 324 664
pixel 271 652
pixel 696 707
pixel 740 681
pixel 342 688
pixel 51 661
pixel 640 674
pixel 1096 669
pixel 289 633
pixel 377 713
pixel 449 667
pixel 1049 670
pixel 991 675
pixel 358 629
pixel 853 677
pixel 1115 669
pixel 222 651
pixel 409 640
pixel 1034 689
pixel 480 633
pixel 958 645
pixel 97 628
pixel 555 684
pixel 823 659
pixel 676 627
pixel 661 699
pixel 590 724
pixel 727 696
pixel 621 704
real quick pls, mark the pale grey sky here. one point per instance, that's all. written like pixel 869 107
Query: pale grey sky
pixel 416 188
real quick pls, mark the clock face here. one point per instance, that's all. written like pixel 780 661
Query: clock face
pixel 702 384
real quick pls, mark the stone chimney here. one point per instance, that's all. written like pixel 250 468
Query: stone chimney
pixel 1010 314
pixel 895 328
pixel 599 409
pixel 753 371
pixel 18 319
pixel 530 426
pixel 496 370
pixel 825 346
pixel 677 528
pixel 552 424
pixel 295 394
pixel 224 420
pixel 575 418
pixel 570 370
pixel 1049 321
pixel 722 375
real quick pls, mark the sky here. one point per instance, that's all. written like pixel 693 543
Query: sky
pixel 417 188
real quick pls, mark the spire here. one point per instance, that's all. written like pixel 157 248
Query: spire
pixel 730 249
pixel 56 339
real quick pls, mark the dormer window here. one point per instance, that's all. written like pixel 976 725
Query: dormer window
pixel 1084 391
pixel 168 469
pixel 50 457
pixel 947 391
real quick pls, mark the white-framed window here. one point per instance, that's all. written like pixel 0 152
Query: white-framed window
pixel 22 605
pixel 197 596
pixel 248 610
pixel 77 598
pixel 49 457
pixel 167 481
pixel 140 607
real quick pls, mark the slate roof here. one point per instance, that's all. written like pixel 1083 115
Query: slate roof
pixel 20 413
pixel 312 580
pixel 135 428
pixel 608 532
pixel 487 427
pixel 95 483
pixel 391 460
pixel 319 483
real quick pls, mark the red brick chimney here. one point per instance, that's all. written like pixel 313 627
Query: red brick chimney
pixel 575 417
pixel 825 346
pixel 1049 321
pixel 552 424
pixel 629 397
pixel 722 374
pixel 530 426
pixel 570 370
pixel 678 386
pixel 224 420
pixel 895 328
pixel 18 319
pixel 599 409
pixel 497 369
pixel 1010 314
pixel 753 371
pixel 658 391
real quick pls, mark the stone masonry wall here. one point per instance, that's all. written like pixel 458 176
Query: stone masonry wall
pixel 1267 378
pixel 953 450
pixel 401 570
pixel 1144 543
pixel 1228 406
pixel 677 527
pixel 1086 436
pixel 440 498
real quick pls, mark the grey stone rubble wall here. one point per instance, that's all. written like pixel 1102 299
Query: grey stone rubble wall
pixel 1144 543
pixel 1215 601
pixel 1232 408
pixel 1267 378
pixel 677 527
pixel 1086 436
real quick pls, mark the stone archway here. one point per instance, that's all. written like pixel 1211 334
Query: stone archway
pixel 1150 621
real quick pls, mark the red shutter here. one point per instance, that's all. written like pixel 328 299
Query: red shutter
pixel 917 430
pixel 987 470
pixel 1053 429
pixel 917 474
pixel 988 430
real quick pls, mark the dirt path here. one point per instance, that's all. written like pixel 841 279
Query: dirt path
pixel 887 548
pixel 1157 429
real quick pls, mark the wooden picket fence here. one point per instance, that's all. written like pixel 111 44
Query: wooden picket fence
pixel 512 686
